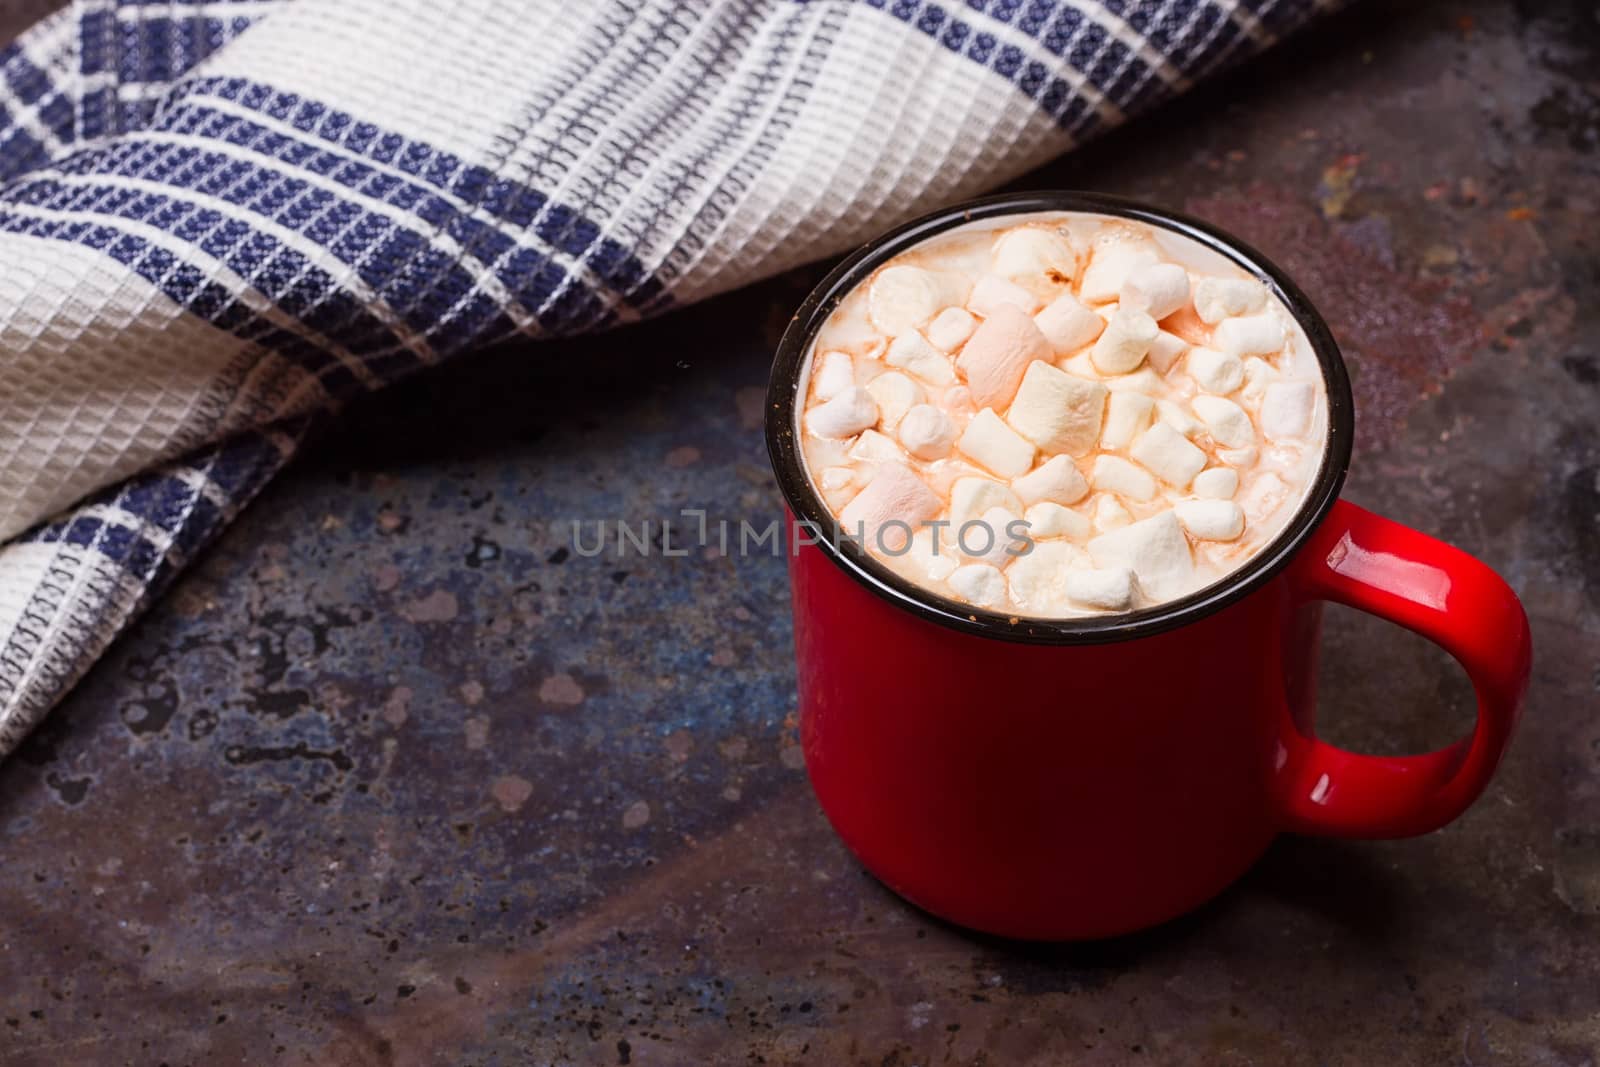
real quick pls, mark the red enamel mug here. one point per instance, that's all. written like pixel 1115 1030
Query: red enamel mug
pixel 1070 779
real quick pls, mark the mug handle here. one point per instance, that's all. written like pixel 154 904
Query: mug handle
pixel 1391 571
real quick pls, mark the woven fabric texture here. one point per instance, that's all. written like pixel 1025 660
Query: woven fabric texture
pixel 220 219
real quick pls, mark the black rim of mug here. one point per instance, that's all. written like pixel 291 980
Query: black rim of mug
pixel 807 507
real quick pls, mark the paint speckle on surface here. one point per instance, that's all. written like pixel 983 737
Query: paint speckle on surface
pixel 385 577
pixel 475 731
pixel 397 708
pixel 636 815
pixel 792 757
pixel 751 403
pixel 562 690
pixel 511 792
pixel 683 456
pixel 723 657
pixel 679 743
pixel 471 692
pixel 438 606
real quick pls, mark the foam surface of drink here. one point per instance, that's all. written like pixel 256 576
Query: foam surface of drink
pixel 1062 414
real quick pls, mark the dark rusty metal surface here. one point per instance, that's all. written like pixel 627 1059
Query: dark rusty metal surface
pixel 395 776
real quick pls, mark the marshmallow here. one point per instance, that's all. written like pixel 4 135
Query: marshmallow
pixel 1000 350
pixel 1038 580
pixel 1114 259
pixel 912 352
pixel 1109 514
pixel 874 447
pixel 990 538
pixel 1158 288
pixel 1256 335
pixel 1057 480
pixel 1143 380
pixel 1263 496
pixel 1126 340
pixel 902 298
pixel 1035 256
pixel 1227 421
pixel 1239 457
pixel 1110 589
pixel 893 493
pixel 927 433
pixel 1117 475
pixel 1169 454
pixel 1286 410
pixel 1056 411
pixel 1214 371
pixel 1154 549
pixel 971 497
pixel 896 394
pixel 1218 483
pixel 832 374
pixel 997 446
pixel 1216 299
pixel 950 328
pixel 845 415
pixel 1127 413
pixel 1067 324
pixel 930 557
pixel 979 584
pixel 1081 365
pixel 1258 374
pixel 1165 350
pixel 958 401
pixel 1047 521
pixel 834 478
pixel 1211 520
pixel 992 291
pixel 1173 415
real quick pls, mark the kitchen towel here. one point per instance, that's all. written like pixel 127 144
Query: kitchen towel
pixel 220 219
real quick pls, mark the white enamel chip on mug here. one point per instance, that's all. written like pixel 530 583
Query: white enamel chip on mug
pixel 893 493
pixel 1154 549
pixel 997 446
pixel 979 584
pixel 912 353
pixel 1057 411
pixel 845 415
pixel 1169 454
pixel 1068 325
pixel 1000 350
pixel 927 432
pixel 1286 410
pixel 1158 289
pixel 902 298
pixel 1126 340
pixel 1216 299
pixel 1057 480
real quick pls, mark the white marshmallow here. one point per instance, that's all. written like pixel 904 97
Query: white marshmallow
pixel 1227 421
pixel 1263 496
pixel 1211 520
pixel 1117 475
pixel 989 540
pixel 1169 454
pixel 1286 410
pixel 1047 521
pixel 1158 288
pixel 1109 514
pixel 1218 483
pixel 833 478
pixel 1126 340
pixel 1143 380
pixel 1239 457
pixel 1067 324
pixel 997 446
pixel 845 415
pixel 971 497
pixel 1165 350
pixel 1056 411
pixel 950 328
pixel 1154 549
pixel 1216 299
pixel 958 401
pixel 832 374
pixel 1127 413
pixel 1038 580
pixel 930 556
pixel 1035 256
pixel 1214 371
pixel 902 298
pixel 1000 350
pixel 1081 366
pixel 927 432
pixel 896 394
pixel 1174 415
pixel 893 493
pixel 992 291
pixel 979 584
pixel 1115 257
pixel 1110 589
pixel 1057 480
pixel 874 447
pixel 1255 335
pixel 911 352
pixel 1258 374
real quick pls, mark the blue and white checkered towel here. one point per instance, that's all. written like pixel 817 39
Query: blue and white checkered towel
pixel 219 219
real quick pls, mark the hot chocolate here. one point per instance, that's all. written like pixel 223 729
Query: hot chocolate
pixel 1062 414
